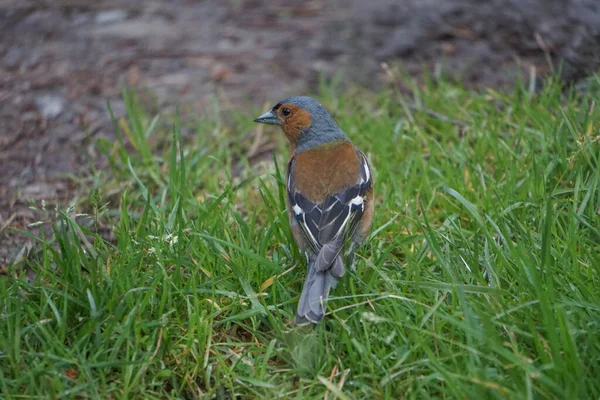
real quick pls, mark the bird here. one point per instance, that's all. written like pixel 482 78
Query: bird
pixel 329 187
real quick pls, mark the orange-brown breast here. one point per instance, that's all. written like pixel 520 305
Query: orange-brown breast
pixel 326 170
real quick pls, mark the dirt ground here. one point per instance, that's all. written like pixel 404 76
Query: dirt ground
pixel 61 60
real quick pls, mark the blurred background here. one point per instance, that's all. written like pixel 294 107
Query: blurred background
pixel 62 60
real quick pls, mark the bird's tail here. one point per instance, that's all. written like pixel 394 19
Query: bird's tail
pixel 321 276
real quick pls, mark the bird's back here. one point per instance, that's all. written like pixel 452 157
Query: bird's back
pixel 325 170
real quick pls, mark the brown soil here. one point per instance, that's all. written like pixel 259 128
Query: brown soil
pixel 61 60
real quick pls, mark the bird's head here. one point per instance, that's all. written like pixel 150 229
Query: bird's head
pixel 305 122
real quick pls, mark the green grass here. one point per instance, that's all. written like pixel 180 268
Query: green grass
pixel 481 278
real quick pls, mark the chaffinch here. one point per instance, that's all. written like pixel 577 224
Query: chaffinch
pixel 329 196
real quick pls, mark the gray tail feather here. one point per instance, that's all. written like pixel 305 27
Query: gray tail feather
pixel 319 281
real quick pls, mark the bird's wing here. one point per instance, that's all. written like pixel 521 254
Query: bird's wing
pixel 329 223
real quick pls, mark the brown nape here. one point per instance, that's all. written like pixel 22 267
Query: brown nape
pixel 298 120
pixel 326 170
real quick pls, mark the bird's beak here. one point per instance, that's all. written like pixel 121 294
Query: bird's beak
pixel 268 118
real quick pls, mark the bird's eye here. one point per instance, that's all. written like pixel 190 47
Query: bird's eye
pixel 286 112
